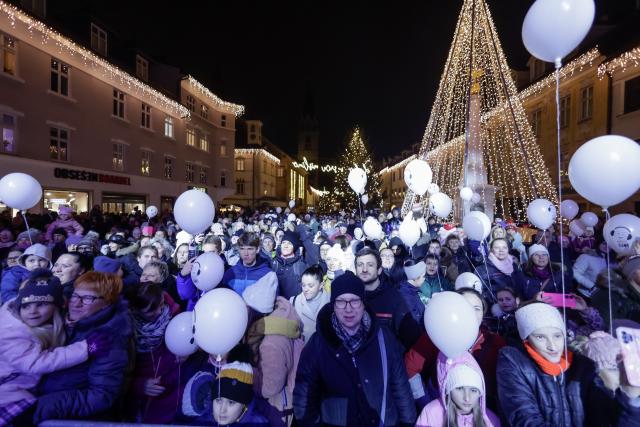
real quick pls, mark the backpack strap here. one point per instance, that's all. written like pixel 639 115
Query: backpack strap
pixel 383 355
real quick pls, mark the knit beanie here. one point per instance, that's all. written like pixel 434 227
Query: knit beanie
pixel 395 241
pixel 236 382
pixel 104 264
pixel 37 249
pixel 535 316
pixel 347 283
pixel 65 210
pixel 414 271
pixel 534 249
pixel 603 349
pixel 261 295
pixel 463 376
pixel 293 238
pixel 41 286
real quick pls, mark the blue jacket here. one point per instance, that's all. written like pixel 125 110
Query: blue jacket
pixel 334 387
pixel 289 272
pixel 411 296
pixel 11 279
pixel 239 277
pixel 91 389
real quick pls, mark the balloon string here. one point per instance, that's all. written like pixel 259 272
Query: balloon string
pixel 607 217
pixel 26 223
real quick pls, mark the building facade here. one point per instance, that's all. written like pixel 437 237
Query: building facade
pixel 93 133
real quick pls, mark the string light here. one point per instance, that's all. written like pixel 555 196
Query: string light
pixel 237 110
pixel 622 62
pixel 256 151
pixel 317 192
pixel 78 56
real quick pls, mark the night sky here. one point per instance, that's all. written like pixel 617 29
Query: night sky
pixel 368 63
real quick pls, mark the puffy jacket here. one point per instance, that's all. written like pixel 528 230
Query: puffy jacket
pixel 335 388
pixel 435 413
pixel 289 272
pixel 530 397
pixel 586 270
pixel 307 314
pixel 11 279
pixel 239 277
pixel 92 388
pixel 22 360
pixel 187 291
pixel 531 285
pixel 493 280
pixel 434 284
pixel 70 225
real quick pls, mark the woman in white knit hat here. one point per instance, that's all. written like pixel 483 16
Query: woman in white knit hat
pixel 542 384
pixel 541 275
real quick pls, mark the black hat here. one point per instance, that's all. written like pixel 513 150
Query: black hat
pixel 293 237
pixel 347 283
pixel 118 239
pixel 395 241
pixel 41 286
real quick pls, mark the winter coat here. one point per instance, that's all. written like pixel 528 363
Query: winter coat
pixel 493 280
pixel 132 271
pixel 434 284
pixel 70 225
pixel 11 279
pixel 289 272
pixel 22 360
pixel 625 303
pixel 92 388
pixel 307 314
pixel 586 270
pixel 435 413
pixel 530 397
pixel 239 277
pixel 531 285
pixel 187 291
pixel 279 344
pixel 413 300
pixel 335 388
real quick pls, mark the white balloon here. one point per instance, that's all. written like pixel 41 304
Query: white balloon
pixel 357 180
pixel 178 337
pixel 292 204
pixel 207 271
pixel 621 232
pixel 605 170
pixel 220 320
pixel 372 227
pixel 194 211
pixel 422 224
pixel 278 209
pixel 451 323
pixel 291 217
pixel 365 198
pixel 20 191
pixel 589 219
pixel 541 213
pixel 440 204
pixel 569 209
pixel 468 280
pixel 417 176
pixel 433 189
pixel 553 28
pixel 466 193
pixel 152 211
pixel 476 225
pixel 475 198
pixel 409 231
pixel 577 227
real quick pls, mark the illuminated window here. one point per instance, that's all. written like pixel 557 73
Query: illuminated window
pixel 145 163
pixel 204 142
pixel 8 127
pixel 240 165
pixel 59 77
pixel 118 157
pixel 8 56
pixel 168 167
pixel 191 137
pixel 223 148
pixel 536 122
pixel 59 144
pixel 204 111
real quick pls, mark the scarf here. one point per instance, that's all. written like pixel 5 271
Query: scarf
pixel 149 335
pixel 549 368
pixel 352 342
pixel 314 302
pixel 505 266
pixel 541 273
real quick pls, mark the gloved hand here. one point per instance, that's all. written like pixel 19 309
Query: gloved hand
pixel 98 344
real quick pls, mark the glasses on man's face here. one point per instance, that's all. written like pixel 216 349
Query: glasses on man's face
pixel 86 299
pixel 341 304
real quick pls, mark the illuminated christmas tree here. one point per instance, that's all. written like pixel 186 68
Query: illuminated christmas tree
pixel 478 134
pixel 356 154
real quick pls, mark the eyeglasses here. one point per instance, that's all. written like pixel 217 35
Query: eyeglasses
pixel 342 304
pixel 86 299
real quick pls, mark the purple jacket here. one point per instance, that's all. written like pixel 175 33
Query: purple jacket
pixel 187 290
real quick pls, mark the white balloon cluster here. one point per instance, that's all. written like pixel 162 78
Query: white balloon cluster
pixel 440 204
pixel 372 228
pixel 409 231
pixel 541 213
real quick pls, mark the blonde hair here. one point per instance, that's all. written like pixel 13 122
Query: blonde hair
pixel 50 335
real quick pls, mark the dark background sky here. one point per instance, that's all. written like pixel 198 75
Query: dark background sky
pixel 369 63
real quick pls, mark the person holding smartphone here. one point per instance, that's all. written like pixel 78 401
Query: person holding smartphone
pixel 541 275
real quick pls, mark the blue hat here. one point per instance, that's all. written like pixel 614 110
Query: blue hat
pixel 41 286
pixel 104 264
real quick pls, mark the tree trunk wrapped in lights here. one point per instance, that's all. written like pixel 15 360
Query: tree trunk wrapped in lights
pixel 478 134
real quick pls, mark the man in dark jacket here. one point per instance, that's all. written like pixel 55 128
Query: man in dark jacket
pixel 351 372
pixel 133 265
pixel 289 265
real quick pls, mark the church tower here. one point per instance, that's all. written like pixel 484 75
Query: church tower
pixel 308 133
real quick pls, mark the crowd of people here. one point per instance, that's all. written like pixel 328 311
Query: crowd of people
pixel 336 332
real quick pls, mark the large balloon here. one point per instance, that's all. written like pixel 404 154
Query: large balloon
pixel 152 211
pixel 451 323
pixel 220 320
pixel 357 180
pixel 605 170
pixel 417 176
pixel 409 231
pixel 178 336
pixel 569 209
pixel 621 232
pixel 433 189
pixel 476 225
pixel 577 227
pixel 541 213
pixel 589 219
pixel 207 271
pixel 20 191
pixel 468 280
pixel 372 228
pixel 553 28
pixel 466 193
pixel 440 204
pixel 194 211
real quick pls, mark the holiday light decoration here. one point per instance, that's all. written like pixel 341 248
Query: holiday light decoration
pixel 310 166
pixel 476 69
pixel 628 59
pixel 256 151
pixel 316 192
pixel 221 105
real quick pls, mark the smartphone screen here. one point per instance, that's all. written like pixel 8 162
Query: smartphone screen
pixel 630 342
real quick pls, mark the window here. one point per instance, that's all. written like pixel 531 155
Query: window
pixel 536 122
pixel 145 117
pixel 240 165
pixel 204 142
pixel 586 103
pixel 204 175
pixel 280 172
pixel 168 127
pixel 565 111
pixel 59 77
pixel 59 144
pixel 223 120
pixel 632 95
pixel 191 137
pixel 8 56
pixel 145 163
pixel 168 167
pixel 98 40
pixel 8 133
pixel 142 68
pixel 118 103
pixel 240 186
pixel 191 103
pixel 189 172
pixel 223 148
pixel 204 111
pixel 118 156
pixel 223 178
